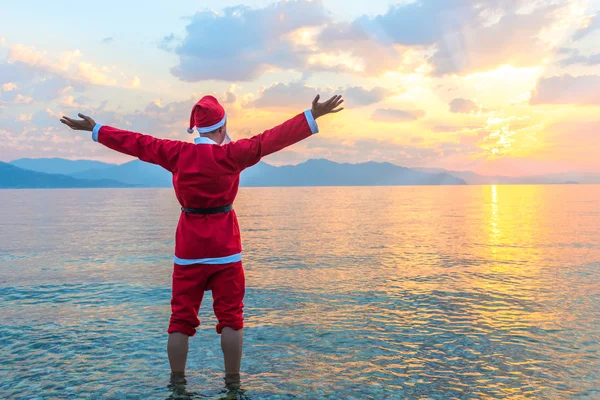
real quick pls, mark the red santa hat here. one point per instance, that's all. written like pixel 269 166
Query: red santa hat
pixel 207 115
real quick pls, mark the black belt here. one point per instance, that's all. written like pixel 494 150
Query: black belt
pixel 214 210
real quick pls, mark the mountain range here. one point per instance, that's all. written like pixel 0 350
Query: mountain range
pixel 59 165
pixel 13 177
pixel 57 172
pixel 328 173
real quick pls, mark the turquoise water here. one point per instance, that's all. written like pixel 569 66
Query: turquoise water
pixel 353 293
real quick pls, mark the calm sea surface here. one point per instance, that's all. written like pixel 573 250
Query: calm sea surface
pixel 353 293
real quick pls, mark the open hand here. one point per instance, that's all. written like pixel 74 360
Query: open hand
pixel 85 124
pixel 328 107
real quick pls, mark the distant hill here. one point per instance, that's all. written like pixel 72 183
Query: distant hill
pixel 310 173
pixel 59 165
pixel 12 177
pixel 473 178
pixel 135 172
pixel 328 173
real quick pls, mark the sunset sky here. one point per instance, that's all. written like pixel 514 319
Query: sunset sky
pixel 507 87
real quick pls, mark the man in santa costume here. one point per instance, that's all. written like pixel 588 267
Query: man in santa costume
pixel 208 248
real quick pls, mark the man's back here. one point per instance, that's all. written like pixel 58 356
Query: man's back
pixel 205 177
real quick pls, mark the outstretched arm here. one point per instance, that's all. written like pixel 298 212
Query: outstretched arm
pixel 147 148
pixel 247 152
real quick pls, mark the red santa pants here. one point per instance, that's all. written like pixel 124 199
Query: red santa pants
pixel 228 285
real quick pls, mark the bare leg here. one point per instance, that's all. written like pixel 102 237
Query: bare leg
pixel 231 344
pixel 177 347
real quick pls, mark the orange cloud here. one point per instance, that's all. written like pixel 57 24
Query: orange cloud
pixel 20 99
pixel 298 94
pixel 463 106
pixel 135 82
pixel 7 87
pixel 567 89
pixel 67 65
pixel 392 115
pixel 89 73
pixel 27 55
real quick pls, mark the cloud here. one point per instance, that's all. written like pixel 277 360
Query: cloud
pixel 7 97
pixel 96 75
pixel 511 40
pixel 298 94
pixel 16 73
pixel 40 60
pixel 72 102
pixel 229 98
pixel 455 37
pixel 135 82
pixel 567 89
pixel 451 128
pixel 394 115
pixel 7 87
pixel 594 59
pixel 445 128
pixel 44 118
pixel 242 43
pixel 461 37
pixel 37 86
pixel 282 95
pixel 168 43
pixel 351 47
pixel 592 25
pixel 49 88
pixel 28 55
pixel 24 63
pixel 20 99
pixel 107 40
pixel 33 81
pixel 418 23
pixel 463 106
pixel 359 96
pixel 383 42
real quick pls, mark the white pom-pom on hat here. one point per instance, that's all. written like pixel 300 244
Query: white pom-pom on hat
pixel 190 130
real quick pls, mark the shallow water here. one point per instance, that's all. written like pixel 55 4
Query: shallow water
pixel 353 293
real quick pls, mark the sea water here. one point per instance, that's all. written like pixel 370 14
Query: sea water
pixel 352 293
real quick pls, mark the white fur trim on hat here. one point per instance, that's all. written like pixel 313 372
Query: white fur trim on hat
pixel 207 129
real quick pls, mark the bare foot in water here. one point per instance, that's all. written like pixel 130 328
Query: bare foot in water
pixel 177 387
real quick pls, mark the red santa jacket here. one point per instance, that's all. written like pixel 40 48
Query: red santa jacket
pixel 207 175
